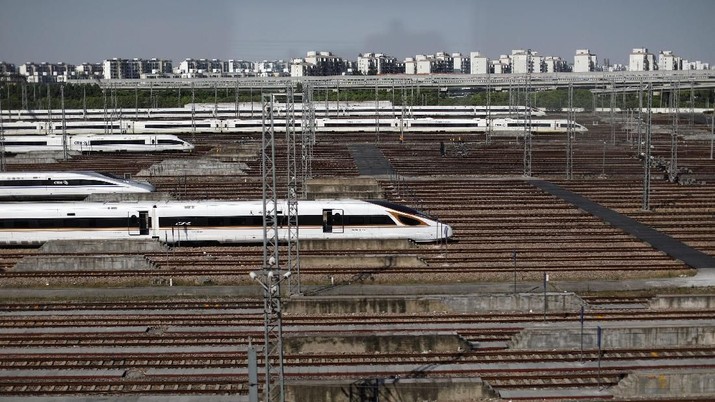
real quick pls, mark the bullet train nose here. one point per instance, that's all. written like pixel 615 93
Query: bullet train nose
pixel 447 232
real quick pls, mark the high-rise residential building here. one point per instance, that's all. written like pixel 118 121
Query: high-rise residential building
pixel 461 64
pixel 7 69
pixel 522 61
pixel 325 63
pixel 273 68
pixel 479 64
pixel 584 61
pixel 46 72
pixel 668 61
pixel 117 68
pixel 376 64
pixel 641 60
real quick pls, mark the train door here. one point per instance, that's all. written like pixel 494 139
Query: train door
pixel 333 221
pixel 154 141
pixel 154 223
pixel 138 223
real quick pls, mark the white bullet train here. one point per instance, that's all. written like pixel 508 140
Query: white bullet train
pixel 25 186
pixel 212 221
pixel 384 124
pixel 15 144
pixel 247 110
pixel 432 125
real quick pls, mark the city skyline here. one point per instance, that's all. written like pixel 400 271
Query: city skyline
pixel 78 31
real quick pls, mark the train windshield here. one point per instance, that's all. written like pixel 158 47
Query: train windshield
pixel 400 208
pixel 111 175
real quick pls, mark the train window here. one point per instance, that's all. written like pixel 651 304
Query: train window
pixel 115 142
pixel 333 221
pixel 409 221
pixel 327 221
pixel 309 220
pixel 170 142
pixel 144 222
pixel 381 220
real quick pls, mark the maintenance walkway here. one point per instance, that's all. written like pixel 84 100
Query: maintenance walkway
pixel 370 161
pixel 658 240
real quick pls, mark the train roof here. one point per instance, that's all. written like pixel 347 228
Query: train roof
pixel 311 205
pixel 58 174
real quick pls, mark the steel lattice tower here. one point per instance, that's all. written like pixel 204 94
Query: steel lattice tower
pixel 527 125
pixel 2 140
pixel 402 113
pixel 640 119
pixel 293 245
pixel 24 98
pixel 613 112
pixel 64 124
pixel 489 113
pixel 377 115
pixel 307 136
pixel 569 136
pixel 675 109
pixel 691 112
pixel 646 156
pixel 193 111
pixel 273 331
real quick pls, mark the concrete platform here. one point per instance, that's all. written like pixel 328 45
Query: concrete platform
pixel 334 188
pixel 668 384
pixel 392 343
pixel 84 263
pixel 128 398
pixel 102 246
pixel 624 336
pixel 194 167
pixel 392 389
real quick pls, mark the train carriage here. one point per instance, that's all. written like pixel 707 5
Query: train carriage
pixel 25 186
pixel 15 144
pixel 212 221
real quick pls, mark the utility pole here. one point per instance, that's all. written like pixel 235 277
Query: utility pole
pixel 527 119
pixel 293 245
pixel 2 140
pixel 193 112
pixel 647 150
pixel 50 126
pixel 675 110
pixel 569 135
pixel 271 275
pixel 64 124
pixel 640 118
pixel 712 130
pixel 307 136
pixel 613 111
pixel 489 109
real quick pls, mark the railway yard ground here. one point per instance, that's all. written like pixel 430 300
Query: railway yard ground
pixel 553 288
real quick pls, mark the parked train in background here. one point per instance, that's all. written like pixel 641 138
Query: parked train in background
pixel 71 185
pixel 16 144
pixel 383 124
pixel 254 111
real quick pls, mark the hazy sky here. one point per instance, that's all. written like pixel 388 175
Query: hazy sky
pixel 76 31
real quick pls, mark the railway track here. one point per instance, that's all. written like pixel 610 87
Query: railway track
pixel 149 348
